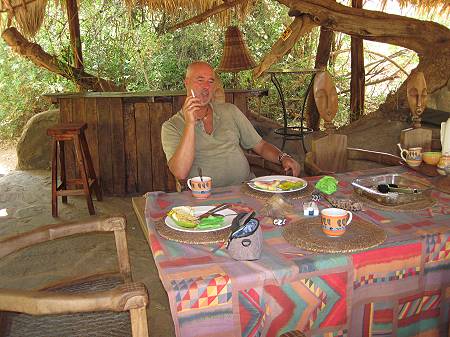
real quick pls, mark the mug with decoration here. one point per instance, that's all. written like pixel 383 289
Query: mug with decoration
pixel 335 221
pixel 200 187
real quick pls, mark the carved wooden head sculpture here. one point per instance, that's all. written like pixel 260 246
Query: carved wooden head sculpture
pixel 417 96
pixel 325 96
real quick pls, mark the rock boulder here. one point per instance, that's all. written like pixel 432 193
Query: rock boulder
pixel 34 146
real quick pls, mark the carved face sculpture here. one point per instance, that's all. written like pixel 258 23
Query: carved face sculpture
pixel 325 96
pixel 417 94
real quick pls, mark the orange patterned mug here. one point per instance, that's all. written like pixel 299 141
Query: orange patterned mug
pixel 200 187
pixel 335 221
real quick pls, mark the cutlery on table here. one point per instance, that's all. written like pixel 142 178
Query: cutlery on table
pixel 214 210
pixel 386 188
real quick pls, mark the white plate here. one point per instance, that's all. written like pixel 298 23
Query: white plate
pixel 199 210
pixel 272 178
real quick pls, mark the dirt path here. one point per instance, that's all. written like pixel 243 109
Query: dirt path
pixel 8 158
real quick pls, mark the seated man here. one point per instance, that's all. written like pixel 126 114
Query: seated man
pixel 210 135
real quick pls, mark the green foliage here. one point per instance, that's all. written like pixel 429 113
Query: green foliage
pixel 132 49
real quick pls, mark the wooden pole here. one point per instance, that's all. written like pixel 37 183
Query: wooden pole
pixel 322 57
pixel 74 29
pixel 357 82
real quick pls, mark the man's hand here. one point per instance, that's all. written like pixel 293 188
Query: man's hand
pixel 270 152
pixel 190 107
pixel 290 164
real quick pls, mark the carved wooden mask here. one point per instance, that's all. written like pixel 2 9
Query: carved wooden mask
pixel 417 93
pixel 325 96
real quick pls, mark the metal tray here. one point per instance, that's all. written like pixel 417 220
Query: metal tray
pixel 367 187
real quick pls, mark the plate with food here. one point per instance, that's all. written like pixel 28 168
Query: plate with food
pixel 188 219
pixel 277 184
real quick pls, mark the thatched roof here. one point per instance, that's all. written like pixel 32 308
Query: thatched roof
pixel 27 15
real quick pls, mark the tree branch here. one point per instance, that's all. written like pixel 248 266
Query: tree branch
pixel 420 36
pixel 38 56
pixel 300 26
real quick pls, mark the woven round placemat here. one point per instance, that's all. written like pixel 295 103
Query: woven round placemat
pixel 304 193
pixel 419 205
pixel 307 234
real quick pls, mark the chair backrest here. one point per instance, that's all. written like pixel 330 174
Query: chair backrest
pixel 330 152
pixel 78 295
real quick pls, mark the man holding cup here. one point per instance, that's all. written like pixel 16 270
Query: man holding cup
pixel 210 135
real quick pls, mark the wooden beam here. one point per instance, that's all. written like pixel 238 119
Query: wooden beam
pixel 203 16
pixel 357 81
pixel 74 29
pixel 420 36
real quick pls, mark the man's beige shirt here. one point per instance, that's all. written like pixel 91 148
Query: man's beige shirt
pixel 219 154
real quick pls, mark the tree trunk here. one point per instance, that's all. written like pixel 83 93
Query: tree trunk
pixel 322 57
pixel 358 76
pixel 38 56
pixel 430 40
pixel 74 29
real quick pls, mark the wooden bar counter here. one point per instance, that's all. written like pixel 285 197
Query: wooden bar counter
pixel 124 134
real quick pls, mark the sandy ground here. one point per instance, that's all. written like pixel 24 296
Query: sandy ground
pixel 25 204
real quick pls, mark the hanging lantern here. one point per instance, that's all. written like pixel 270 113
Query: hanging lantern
pixel 236 56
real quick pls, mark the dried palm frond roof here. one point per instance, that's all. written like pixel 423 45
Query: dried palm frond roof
pixel 195 7
pixel 29 14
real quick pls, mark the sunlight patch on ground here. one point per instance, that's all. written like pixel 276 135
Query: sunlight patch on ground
pixel 4 169
pixel 3 212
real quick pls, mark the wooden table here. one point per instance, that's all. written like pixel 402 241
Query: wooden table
pixel 139 210
pixel 397 289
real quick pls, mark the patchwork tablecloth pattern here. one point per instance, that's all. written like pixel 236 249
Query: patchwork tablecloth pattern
pixel 401 288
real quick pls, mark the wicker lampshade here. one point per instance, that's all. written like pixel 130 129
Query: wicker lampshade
pixel 236 56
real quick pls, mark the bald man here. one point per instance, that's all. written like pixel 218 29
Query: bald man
pixel 210 135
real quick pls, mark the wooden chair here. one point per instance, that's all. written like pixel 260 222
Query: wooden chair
pixel 330 154
pixel 104 299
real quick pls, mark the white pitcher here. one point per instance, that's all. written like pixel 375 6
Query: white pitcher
pixel 445 137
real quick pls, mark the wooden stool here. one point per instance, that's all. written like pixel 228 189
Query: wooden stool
pixel 72 132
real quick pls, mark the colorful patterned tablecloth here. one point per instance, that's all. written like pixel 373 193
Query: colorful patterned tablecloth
pixel 401 288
